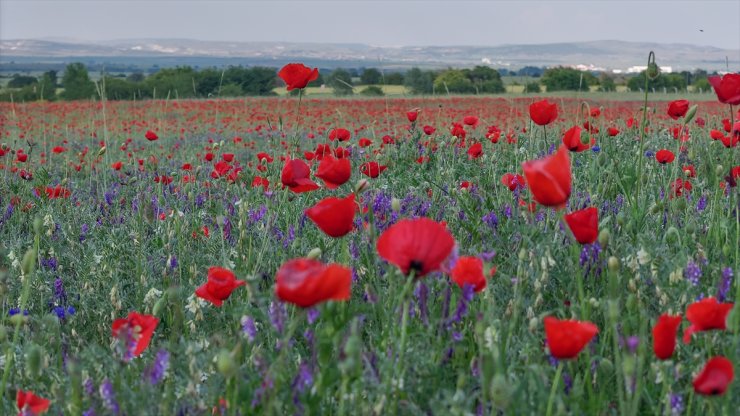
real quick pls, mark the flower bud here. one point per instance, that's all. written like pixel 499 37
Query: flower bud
pixel 37 223
pixel 314 254
pixel 604 236
pixel 34 357
pixel 28 265
pixel 102 151
pixel 585 137
pixel 361 186
pixel 225 363
pixel 501 392
pixel 719 170
pixel 653 71
pixel 159 306
pixel 613 264
pixel 396 204
pixel 690 114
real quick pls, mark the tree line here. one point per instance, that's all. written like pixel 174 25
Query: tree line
pixel 237 81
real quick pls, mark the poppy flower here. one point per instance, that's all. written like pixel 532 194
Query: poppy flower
pixel 307 282
pixel 475 151
pixel 543 112
pixel 549 178
pixel 704 315
pixel 58 149
pixel 566 338
pixel 364 142
pixel 57 192
pixel 664 335
pixel 458 130
pixel 731 141
pixel 679 186
pixel 297 76
pixel 689 171
pixel 419 244
pixel 372 169
pixel 137 329
pixel 221 282
pixel 470 121
pixel 664 156
pixel 339 134
pixel 727 88
pixel 715 377
pixel 296 176
pixel 572 140
pixel 584 224
pixel 334 216
pixel 429 130
pixel 21 157
pixel 227 157
pixel 412 115
pixel 334 172
pixel 678 108
pixel 30 404
pixel 513 181
pixel 612 131
pixel 260 181
pixel 151 136
pixel 469 270
pixel 117 165
pixel 264 156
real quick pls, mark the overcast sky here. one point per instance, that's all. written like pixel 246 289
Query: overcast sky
pixel 381 23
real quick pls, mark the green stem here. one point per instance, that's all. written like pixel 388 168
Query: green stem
pixel 554 388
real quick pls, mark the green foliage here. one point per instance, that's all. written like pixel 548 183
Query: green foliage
pixel 702 85
pixel 606 83
pixel 371 76
pixel 20 81
pixel 394 78
pixel 77 84
pixel 340 80
pixel 670 82
pixel 567 79
pixel 532 87
pixel 454 81
pixel 485 79
pixel 419 81
pixel 372 91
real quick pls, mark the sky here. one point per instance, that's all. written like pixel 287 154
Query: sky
pixel 379 22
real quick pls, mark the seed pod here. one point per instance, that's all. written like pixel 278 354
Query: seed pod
pixel 34 357
pixel 604 237
pixel 613 264
pixel 314 254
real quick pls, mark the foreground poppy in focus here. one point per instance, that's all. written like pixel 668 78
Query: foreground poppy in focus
pixel 469 270
pixel 727 88
pixel 572 140
pixel 151 136
pixel 339 134
pixel 664 335
pixel 135 331
pixel 664 156
pixel 715 377
pixel 334 172
pixel 678 108
pixel 297 76
pixel 221 282
pixel 543 112
pixel 372 169
pixel 566 338
pixel 584 224
pixel 419 244
pixel 549 178
pixel 30 404
pixel 296 176
pixel 307 282
pixel 705 315
pixel 334 216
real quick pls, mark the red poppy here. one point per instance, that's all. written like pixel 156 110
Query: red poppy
pixel 138 330
pixel 227 157
pixel 664 156
pixel 715 377
pixel 469 270
pixel 704 315
pixel 584 224
pixel 296 176
pixel 334 172
pixel 543 112
pixel 458 130
pixel 412 115
pixel 57 192
pixel 58 149
pixel 612 131
pixel 475 151
pixel 307 282
pixel 30 404
pixel 549 178
pixel 689 170
pixel 117 165
pixel 664 335
pixel 727 88
pixel 678 108
pixel 566 338
pixel 364 142
pixel 260 181
pixel 572 140
pixel 512 181
pixel 429 130
pixel 731 141
pixel 21 157
pixel 419 244
pixel 264 156
pixel 334 216
pixel 372 169
pixel 297 75
pixel 470 121
pixel 151 136
pixel 339 134
pixel 221 282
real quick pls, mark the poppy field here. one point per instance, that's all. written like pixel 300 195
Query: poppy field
pixel 429 255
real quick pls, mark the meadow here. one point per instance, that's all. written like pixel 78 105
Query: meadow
pixel 429 255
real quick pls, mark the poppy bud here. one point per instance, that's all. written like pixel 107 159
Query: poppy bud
pixel 719 170
pixel 102 150
pixel 396 204
pixel 534 324
pixel 34 356
pixel 28 265
pixel 606 368
pixel 225 363
pixel 585 138
pixel 37 223
pixel 620 219
pixel 726 250
pixel 18 319
pixel 613 264
pixel 690 228
pixel 314 254
pixel 653 71
pixel 522 255
pixel 501 391
pixel 681 204
pixel 671 235
pixel 604 236
pixel 159 306
pixel 361 186
pixel 690 114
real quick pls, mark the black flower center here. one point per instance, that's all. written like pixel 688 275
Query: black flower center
pixel 417 266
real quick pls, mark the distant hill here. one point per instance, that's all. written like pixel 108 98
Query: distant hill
pixel 605 54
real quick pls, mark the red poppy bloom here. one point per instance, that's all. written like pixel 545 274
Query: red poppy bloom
pixel 689 170
pixel 572 140
pixel 297 75
pixel 364 142
pixel 209 156
pixel 470 121
pixel 566 338
pixel 727 88
pixel 151 136
pixel 475 151
pixel 664 335
pixel 334 216
pixel 543 112
pixel 227 157
pixel 29 403
pixel 260 181
pixel 334 172
pixel 296 176
pixel 372 169
pixel 549 178
pixel 137 329
pixel 412 115
pixel 469 270
pixel 664 156
pixel 57 192
pixel 512 181
pixel 731 141
pixel 264 156
pixel 458 130
pixel 420 245
pixel 21 157
pixel 584 224
pixel 715 377
pixel 221 282
pixel 678 108
pixel 306 282
pixel 429 130
pixel 339 134
pixel 612 131
pixel 705 315
pixel 58 149
pixel 117 165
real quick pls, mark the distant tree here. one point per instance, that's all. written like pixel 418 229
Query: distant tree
pixel 135 77
pixel 530 71
pixel 669 82
pixel 560 79
pixel 606 83
pixel 231 90
pixel 261 81
pixel 20 81
pixel 340 81
pixel 370 76
pixel 485 79
pixel 177 82
pixel 207 82
pixel 532 87
pixel 419 81
pixel 48 86
pixel 372 91
pixel 118 89
pixel 702 85
pixel 394 78
pixel 454 81
pixel 76 83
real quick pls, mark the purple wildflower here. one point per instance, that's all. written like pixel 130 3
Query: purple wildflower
pixel 248 328
pixel 109 397
pixel 724 284
pixel 156 372
pixel 692 272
